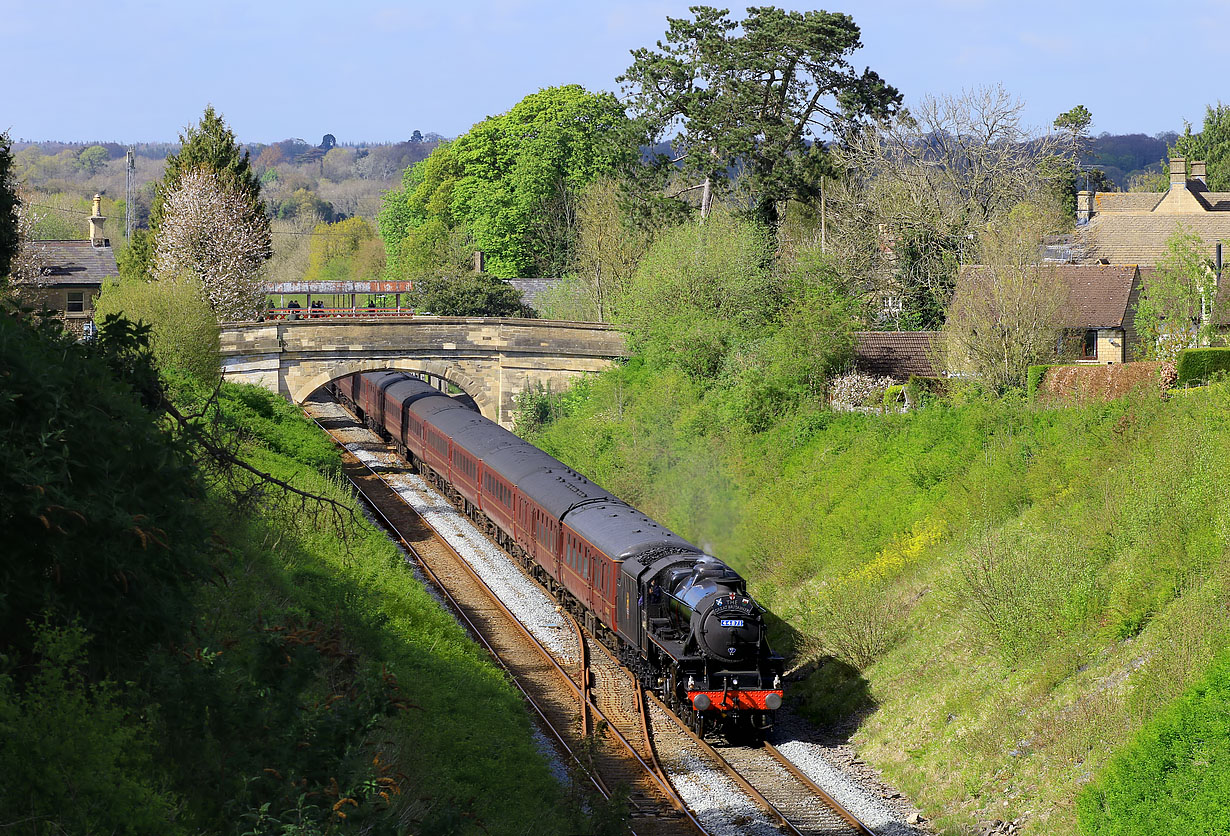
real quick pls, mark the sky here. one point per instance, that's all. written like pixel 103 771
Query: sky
pixel 366 70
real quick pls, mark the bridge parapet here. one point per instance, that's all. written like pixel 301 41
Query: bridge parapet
pixel 492 360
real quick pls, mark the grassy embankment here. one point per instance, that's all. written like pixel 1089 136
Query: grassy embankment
pixel 177 659
pixel 1006 595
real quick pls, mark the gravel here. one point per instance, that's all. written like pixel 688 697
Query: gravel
pixel 716 801
pixel 835 769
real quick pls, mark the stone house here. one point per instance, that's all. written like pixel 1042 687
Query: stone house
pixel 1132 227
pixel 73 272
pixel 1097 316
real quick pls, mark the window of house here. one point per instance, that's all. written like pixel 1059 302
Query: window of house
pixel 1089 345
pixel 76 301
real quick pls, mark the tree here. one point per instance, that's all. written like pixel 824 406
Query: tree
pixel 467 294
pixel 93 159
pixel 335 250
pixel 509 186
pixel 210 230
pixel 1212 145
pixel 1005 313
pixel 1176 308
pixel 1075 123
pixel 751 96
pixel 608 248
pixel 10 235
pixel 917 193
pixel 209 145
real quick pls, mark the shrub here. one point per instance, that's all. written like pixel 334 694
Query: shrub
pixel 1174 778
pixel 183 328
pixel 1199 364
pixel 894 396
pixel 920 390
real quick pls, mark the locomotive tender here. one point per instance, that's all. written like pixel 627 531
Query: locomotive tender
pixel 681 619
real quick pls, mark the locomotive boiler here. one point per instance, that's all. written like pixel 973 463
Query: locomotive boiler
pixel 678 617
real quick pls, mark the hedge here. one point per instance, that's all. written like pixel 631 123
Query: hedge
pixel 1197 365
pixel 1034 379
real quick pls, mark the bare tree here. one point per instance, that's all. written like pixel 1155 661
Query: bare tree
pixel 1005 312
pixel 211 231
pixel 918 191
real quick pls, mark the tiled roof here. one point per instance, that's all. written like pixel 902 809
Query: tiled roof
pixel 1126 201
pixel 896 354
pixel 531 289
pixel 1098 294
pixel 1128 238
pixel 77 264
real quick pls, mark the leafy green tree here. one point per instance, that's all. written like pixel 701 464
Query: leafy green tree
pixel 751 95
pixel 467 294
pixel 699 290
pixel 509 186
pixel 93 159
pixel 335 248
pixel 10 237
pixel 1212 145
pixel 1176 308
pixel 184 332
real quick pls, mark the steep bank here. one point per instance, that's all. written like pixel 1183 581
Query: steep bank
pixel 1002 595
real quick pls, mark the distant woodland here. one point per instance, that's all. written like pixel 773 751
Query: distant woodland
pixel 303 185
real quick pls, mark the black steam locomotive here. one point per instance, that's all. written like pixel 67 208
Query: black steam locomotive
pixel 680 618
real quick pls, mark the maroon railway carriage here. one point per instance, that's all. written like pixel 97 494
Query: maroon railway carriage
pixel 679 617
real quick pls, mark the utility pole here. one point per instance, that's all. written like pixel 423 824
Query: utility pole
pixel 130 189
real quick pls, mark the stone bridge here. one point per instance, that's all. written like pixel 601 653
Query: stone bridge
pixel 491 360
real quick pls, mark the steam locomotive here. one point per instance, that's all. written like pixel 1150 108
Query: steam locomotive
pixel 679 618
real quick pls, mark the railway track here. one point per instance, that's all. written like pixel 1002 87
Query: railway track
pixel 600 716
pixel 550 687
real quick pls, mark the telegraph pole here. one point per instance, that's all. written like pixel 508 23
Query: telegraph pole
pixel 130 190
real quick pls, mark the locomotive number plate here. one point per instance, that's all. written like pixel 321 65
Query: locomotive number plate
pixel 732 622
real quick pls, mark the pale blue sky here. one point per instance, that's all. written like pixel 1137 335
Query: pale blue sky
pixel 369 70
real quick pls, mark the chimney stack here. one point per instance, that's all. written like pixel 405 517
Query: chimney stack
pixel 480 261
pixel 97 236
pixel 1199 170
pixel 1084 207
pixel 1178 172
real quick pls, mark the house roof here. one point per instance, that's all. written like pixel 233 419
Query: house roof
pixel 531 289
pixel 896 354
pixel 1140 238
pixel 77 264
pixel 1098 294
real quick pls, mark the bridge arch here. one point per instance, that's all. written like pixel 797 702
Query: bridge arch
pixel 491 360
pixel 458 378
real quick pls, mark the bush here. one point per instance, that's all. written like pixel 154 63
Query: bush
pixel 1175 777
pixel 921 390
pixel 183 329
pixel 1198 365
pixel 1100 383
pixel 894 396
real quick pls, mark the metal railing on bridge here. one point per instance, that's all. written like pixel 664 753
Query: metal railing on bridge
pixel 338 313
